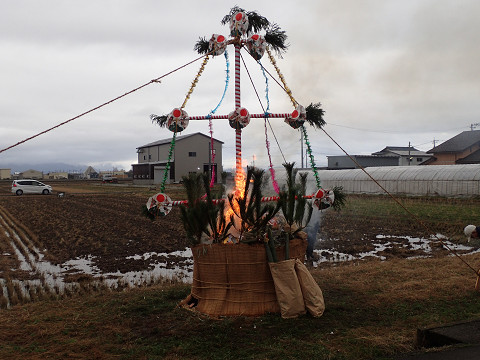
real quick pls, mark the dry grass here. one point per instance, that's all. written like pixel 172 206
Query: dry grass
pixel 410 280
pixel 373 309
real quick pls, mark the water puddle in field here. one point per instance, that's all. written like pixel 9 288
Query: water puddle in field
pixel 47 278
pixel 34 277
pixel 411 247
pixel 161 270
pixel 182 271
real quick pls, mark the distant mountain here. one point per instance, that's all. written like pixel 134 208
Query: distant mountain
pixel 44 167
pixel 58 167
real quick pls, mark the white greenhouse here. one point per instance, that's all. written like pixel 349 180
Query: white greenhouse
pixel 430 180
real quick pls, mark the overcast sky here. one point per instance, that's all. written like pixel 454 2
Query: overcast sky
pixel 387 72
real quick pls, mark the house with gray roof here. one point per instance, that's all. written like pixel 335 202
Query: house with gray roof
pixel 463 148
pixel 90 173
pixel 191 154
pixel 389 156
pixel 406 155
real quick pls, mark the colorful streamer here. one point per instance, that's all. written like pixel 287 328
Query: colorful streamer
pixel 195 81
pixel 212 153
pixel 227 81
pixel 272 170
pixel 209 116
pixel 310 155
pixel 170 152
pixel 280 75
pixel 266 87
pixel 172 144
pixel 267 143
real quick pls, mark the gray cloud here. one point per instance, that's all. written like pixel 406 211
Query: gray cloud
pixel 386 72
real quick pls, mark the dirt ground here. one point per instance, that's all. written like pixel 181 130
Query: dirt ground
pixel 111 229
pixel 104 227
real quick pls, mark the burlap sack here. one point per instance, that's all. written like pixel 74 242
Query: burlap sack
pixel 287 288
pixel 312 294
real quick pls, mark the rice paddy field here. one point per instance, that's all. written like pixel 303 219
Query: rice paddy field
pixel 91 254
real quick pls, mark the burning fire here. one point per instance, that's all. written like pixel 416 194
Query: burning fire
pixel 238 193
pixel 239 183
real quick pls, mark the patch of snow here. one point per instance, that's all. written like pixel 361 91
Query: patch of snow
pixel 24 265
pixel 413 243
pixel 82 265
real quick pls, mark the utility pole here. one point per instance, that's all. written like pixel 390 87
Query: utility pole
pixel 409 160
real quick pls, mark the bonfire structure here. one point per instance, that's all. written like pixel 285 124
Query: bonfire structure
pixel 248 259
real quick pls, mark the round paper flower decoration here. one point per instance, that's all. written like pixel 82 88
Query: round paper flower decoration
pixel 256 45
pixel 217 44
pixel 238 24
pixel 159 203
pixel 297 118
pixel 323 198
pixel 239 118
pixel 177 120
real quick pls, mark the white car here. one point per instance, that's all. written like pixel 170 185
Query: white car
pixel 29 186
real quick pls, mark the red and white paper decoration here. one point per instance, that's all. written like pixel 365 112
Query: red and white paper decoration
pixel 297 118
pixel 323 198
pixel 217 44
pixel 161 202
pixel 177 120
pixel 238 24
pixel 239 118
pixel 256 45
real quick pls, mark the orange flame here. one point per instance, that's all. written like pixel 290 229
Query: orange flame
pixel 239 183
pixel 238 193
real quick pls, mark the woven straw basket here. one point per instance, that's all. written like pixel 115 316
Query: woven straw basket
pixel 235 280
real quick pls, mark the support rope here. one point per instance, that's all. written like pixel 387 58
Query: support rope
pixel 157 80
pixel 209 116
pixel 287 90
pixel 187 97
pixel 280 75
pixel 405 208
pixel 267 143
pixel 303 129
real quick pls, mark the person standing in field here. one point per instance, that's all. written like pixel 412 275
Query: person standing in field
pixel 472 231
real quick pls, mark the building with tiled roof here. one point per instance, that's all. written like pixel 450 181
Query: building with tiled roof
pixel 463 148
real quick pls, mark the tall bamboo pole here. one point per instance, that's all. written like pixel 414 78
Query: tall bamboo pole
pixel 238 132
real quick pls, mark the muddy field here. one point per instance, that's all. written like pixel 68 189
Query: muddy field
pixel 100 238
pixel 107 227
